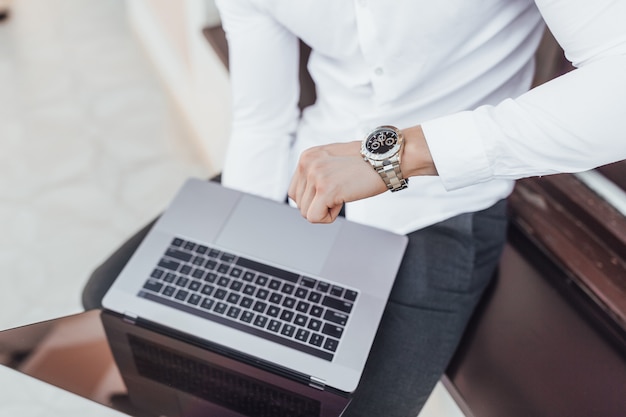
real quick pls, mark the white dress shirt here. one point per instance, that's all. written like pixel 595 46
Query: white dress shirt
pixel 461 69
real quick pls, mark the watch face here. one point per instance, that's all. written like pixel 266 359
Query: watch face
pixel 382 143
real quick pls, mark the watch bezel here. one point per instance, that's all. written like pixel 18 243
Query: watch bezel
pixel 382 156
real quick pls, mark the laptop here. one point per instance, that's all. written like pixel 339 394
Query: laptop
pixel 166 375
pixel 253 280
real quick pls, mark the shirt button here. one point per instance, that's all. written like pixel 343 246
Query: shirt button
pixel 379 71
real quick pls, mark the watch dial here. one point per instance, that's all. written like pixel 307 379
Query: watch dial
pixel 381 141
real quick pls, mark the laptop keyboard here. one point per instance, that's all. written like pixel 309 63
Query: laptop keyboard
pixel 305 313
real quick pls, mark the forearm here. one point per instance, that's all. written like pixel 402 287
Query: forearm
pixel 263 57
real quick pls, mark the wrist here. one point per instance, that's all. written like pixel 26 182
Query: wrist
pixel 416 158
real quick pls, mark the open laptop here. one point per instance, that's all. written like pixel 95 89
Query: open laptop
pixel 254 280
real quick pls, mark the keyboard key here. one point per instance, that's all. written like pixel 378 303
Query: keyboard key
pixel 260 321
pixel 247 316
pixel 194 285
pixel 207 289
pixel 153 285
pixel 198 273
pixel 233 298
pixel 248 276
pixel 273 311
pixel 340 305
pixel 189 246
pixel 181 255
pixel 334 331
pixel 157 273
pixel 249 289
pixel 194 299
pixel 246 302
pixel 220 294
pixel 308 282
pixel 275 298
pixel 236 285
pixel 210 264
pixel 315 297
pixel 198 260
pixel 169 277
pixel 223 282
pixel 177 242
pixel 259 307
pixel 316 339
pixel 302 307
pixel 169 291
pixel 201 249
pixel 336 317
pixel 300 320
pixel 288 330
pixel 301 293
pixel 350 295
pixel 303 335
pixel 181 295
pixel 336 290
pixel 262 294
pixel 262 280
pixel 316 311
pixel 331 344
pixel 236 272
pixel 220 307
pixel 169 264
pixel 233 312
pixel 211 277
pixel 315 325
pixel 185 269
pixel 274 326
pixel 207 303
pixel 227 257
pixel 223 268
pixel 182 281
pixel 289 302
pixel 287 316
pixel 288 288
pixel 274 284
pixel 323 287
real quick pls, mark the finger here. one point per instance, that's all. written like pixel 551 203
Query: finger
pixel 306 198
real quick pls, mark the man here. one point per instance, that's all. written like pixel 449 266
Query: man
pixel 439 92
pixel 432 92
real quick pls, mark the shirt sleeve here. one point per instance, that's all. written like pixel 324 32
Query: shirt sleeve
pixel 573 123
pixel 263 63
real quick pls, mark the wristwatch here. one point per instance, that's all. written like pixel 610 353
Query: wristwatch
pixel 382 148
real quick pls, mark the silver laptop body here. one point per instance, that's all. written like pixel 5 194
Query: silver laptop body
pixel 354 265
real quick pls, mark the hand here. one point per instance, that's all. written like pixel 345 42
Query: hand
pixel 328 176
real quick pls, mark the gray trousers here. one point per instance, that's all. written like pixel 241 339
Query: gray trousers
pixel 442 277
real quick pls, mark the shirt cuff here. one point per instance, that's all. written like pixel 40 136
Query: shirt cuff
pixel 457 150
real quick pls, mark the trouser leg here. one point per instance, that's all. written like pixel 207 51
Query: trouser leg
pixel 443 274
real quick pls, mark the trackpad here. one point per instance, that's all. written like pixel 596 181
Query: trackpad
pixel 277 233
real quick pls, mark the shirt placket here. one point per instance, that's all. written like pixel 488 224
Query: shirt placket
pixel 368 35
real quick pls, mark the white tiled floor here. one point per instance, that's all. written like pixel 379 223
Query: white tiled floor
pixel 91 148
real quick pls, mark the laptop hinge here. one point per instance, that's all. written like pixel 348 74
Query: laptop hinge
pixel 318 383
pixel 130 317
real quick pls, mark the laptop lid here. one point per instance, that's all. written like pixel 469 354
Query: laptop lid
pixel 275 236
pixel 176 376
